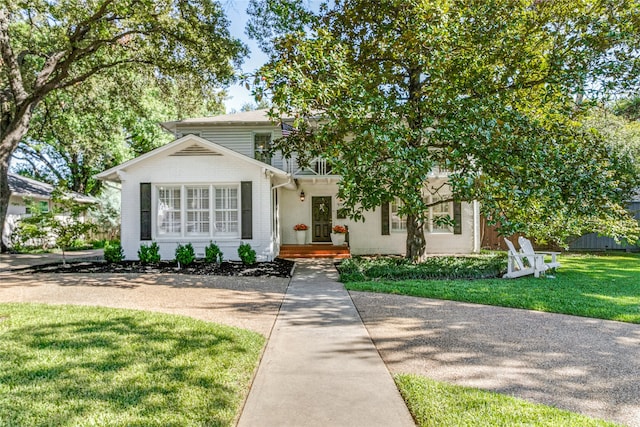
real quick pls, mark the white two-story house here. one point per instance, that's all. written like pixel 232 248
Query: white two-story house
pixel 216 183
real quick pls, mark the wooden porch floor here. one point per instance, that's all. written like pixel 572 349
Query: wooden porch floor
pixel 314 251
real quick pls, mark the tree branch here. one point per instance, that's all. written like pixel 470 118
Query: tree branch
pixel 9 59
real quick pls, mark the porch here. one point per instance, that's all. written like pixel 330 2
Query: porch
pixel 314 251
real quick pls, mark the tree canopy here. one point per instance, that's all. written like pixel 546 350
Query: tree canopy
pixel 390 90
pixel 80 131
pixel 48 46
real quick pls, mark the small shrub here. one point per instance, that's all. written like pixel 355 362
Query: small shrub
pixel 149 254
pixel 113 252
pixel 246 254
pixel 212 253
pixel 185 255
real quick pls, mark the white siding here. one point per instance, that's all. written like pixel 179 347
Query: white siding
pixel 165 169
pixel 366 237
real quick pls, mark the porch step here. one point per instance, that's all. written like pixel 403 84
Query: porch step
pixel 314 251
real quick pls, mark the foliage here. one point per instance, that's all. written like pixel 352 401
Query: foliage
pixel 389 91
pixel 67 221
pixel 603 287
pixel 80 131
pixel 52 46
pixel 106 213
pixel 32 230
pixel 212 253
pixel 149 254
pixel 185 254
pixel 66 365
pixel 247 254
pixel 434 403
pixel 628 107
pixel 432 268
pixel 64 223
pixel 300 227
pixel 113 251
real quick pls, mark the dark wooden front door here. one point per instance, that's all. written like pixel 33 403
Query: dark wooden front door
pixel 321 219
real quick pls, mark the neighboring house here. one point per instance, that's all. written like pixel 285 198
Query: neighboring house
pixel 595 242
pixel 23 189
pixel 217 183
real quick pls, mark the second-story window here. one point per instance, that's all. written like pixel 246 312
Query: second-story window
pixel 262 145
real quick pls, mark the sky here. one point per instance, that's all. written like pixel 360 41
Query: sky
pixel 238 95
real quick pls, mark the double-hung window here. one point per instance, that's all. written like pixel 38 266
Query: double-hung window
pixel 262 145
pixel 198 210
pixel 227 211
pixel 439 213
pixel 169 211
pixel 398 222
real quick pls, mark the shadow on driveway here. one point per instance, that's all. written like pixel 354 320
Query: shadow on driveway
pixel 580 364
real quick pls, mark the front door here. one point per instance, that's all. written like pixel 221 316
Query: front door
pixel 321 219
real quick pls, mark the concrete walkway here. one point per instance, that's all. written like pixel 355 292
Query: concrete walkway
pixel 320 367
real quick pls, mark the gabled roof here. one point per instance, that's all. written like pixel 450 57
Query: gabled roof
pixel 255 117
pixel 26 187
pixel 192 144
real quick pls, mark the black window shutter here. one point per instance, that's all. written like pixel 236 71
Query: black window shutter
pixel 145 211
pixel 246 209
pixel 384 219
pixel 457 217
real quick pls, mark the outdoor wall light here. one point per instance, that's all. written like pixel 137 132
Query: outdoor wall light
pixel 302 196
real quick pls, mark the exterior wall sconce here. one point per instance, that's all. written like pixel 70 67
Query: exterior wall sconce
pixel 302 196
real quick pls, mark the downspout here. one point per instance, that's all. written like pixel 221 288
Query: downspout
pixel 476 226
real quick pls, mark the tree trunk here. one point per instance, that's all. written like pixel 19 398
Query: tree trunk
pixel 416 242
pixel 4 199
pixel 11 131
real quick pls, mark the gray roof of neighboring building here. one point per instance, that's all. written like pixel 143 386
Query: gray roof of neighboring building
pixel 27 187
pixel 244 117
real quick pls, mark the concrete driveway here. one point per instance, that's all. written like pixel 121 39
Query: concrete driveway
pixel 583 365
pixel 247 302
pixel 19 261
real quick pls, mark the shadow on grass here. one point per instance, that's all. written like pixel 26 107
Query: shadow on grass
pixel 72 365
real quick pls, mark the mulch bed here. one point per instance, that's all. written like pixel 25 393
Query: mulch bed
pixel 276 268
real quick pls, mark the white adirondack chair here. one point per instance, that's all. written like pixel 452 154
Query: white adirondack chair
pixel 527 247
pixel 520 264
pixel 527 261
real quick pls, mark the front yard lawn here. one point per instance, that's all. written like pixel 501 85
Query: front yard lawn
pixel 603 286
pixel 434 403
pixel 69 365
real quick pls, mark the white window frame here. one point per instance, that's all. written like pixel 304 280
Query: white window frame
pixel 185 226
pixel 176 224
pixel 200 210
pixel 436 211
pixel 220 226
pixel 398 224
pixel 255 148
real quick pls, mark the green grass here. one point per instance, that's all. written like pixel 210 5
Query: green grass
pixel 604 287
pixel 68 366
pixel 438 404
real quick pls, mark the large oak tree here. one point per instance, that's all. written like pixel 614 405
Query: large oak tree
pixel 82 130
pixel 493 91
pixel 47 46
